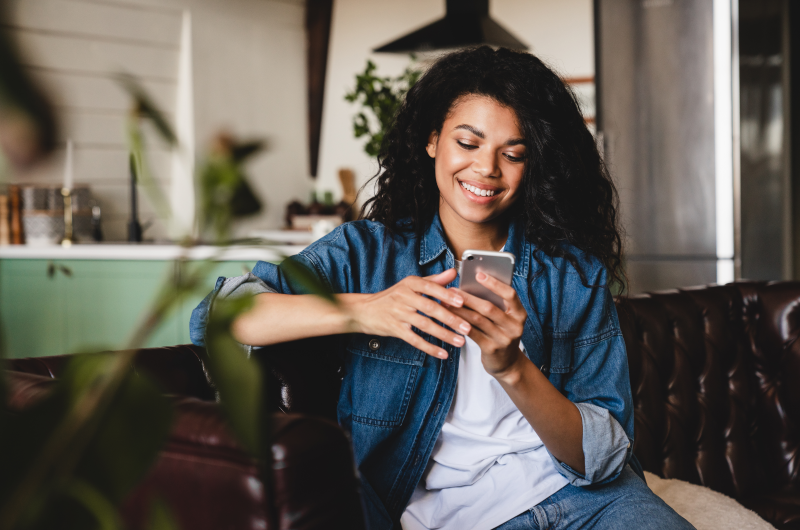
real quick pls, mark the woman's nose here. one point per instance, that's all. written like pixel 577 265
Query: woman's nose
pixel 485 163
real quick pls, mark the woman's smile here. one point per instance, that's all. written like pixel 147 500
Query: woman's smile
pixel 479 192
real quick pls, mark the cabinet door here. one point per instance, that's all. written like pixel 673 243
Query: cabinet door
pixel 94 306
pixel 106 301
pixel 31 309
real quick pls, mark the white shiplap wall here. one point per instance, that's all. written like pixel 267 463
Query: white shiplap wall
pixel 74 47
pixel 248 77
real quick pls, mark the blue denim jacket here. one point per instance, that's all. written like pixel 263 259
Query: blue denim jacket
pixel 394 398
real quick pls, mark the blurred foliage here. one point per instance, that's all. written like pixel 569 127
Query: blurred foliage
pixel 161 517
pixel 143 110
pixel 27 121
pixel 224 192
pixel 71 457
pixel 238 381
pixel 380 99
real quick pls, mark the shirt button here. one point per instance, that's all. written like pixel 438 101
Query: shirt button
pixel 374 344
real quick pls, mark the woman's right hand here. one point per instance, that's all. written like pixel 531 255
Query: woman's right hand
pixel 393 312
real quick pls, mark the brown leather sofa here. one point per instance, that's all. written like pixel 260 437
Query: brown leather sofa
pixel 208 481
pixel 715 374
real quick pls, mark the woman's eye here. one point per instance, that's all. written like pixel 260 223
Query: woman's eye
pixel 512 158
pixel 466 146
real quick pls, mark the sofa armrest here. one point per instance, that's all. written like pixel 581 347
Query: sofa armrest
pixel 209 482
pixel 178 370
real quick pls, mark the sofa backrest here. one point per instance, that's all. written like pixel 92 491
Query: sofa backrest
pixel 177 369
pixel 713 374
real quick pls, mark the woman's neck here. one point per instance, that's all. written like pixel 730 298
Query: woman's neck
pixel 464 235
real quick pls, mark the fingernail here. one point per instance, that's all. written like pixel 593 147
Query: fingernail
pixel 457 300
pixel 443 354
pixel 465 327
pixel 481 276
pixel 458 341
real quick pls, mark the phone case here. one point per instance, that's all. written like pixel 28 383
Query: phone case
pixel 499 265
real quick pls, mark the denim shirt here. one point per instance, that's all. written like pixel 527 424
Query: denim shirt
pixel 394 398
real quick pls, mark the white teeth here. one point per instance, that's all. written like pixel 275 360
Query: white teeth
pixel 477 191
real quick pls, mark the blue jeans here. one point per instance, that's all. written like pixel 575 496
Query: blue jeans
pixel 625 503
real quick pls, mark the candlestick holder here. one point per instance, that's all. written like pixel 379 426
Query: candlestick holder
pixel 67 194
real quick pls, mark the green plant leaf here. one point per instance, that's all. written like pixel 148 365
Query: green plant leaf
pixel 127 440
pixel 22 439
pixel 380 97
pixel 141 169
pixel 225 193
pixel 95 503
pixel 145 107
pixel 161 517
pixel 118 440
pixel 237 378
pixel 305 281
pixel 244 150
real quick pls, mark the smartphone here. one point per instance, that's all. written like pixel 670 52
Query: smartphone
pixel 499 265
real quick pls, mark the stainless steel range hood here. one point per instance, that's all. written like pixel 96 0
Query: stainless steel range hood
pixel 465 23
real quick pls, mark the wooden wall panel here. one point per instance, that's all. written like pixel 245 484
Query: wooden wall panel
pixel 100 19
pixel 84 54
pixel 74 48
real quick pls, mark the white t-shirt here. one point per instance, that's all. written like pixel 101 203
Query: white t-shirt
pixel 488 464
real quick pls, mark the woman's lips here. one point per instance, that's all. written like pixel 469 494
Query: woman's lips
pixel 478 192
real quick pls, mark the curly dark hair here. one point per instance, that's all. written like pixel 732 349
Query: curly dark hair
pixel 567 192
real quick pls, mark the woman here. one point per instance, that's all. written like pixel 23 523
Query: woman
pixel 464 415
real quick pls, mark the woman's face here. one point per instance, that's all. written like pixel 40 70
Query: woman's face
pixel 480 159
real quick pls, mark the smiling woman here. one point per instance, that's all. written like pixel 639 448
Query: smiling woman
pixel 463 414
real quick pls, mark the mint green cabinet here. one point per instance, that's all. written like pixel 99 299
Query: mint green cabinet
pixel 97 306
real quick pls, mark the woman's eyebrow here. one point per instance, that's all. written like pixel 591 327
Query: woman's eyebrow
pixel 474 130
pixel 479 133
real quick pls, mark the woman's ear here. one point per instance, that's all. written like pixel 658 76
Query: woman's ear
pixel 431 147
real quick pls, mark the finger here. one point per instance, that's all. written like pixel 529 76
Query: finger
pixel 488 336
pixel 434 310
pixel 443 278
pixel 504 291
pixel 434 290
pixel 511 323
pixel 421 344
pixel 484 307
pixel 430 327
pixel 477 321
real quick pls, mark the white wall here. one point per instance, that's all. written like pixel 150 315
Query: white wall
pixel 249 78
pixel 559 32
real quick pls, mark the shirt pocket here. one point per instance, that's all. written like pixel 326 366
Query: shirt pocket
pixel 382 374
pixel 560 346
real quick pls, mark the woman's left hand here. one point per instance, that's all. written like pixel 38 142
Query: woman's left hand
pixel 495 331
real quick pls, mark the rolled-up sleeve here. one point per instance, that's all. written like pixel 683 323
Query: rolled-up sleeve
pixel 606 447
pixel 265 278
pixel 245 285
pixel 598 383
